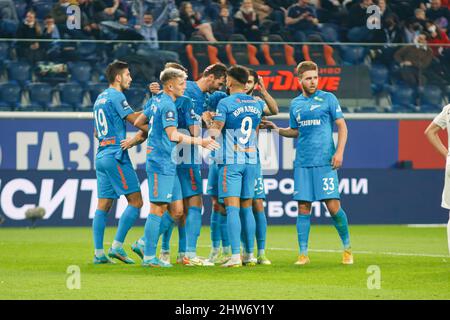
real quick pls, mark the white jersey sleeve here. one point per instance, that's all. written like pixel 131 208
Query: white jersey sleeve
pixel 443 118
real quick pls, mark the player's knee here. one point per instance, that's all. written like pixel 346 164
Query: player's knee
pixel 333 207
pixel 138 203
pixel 177 214
pixel 304 208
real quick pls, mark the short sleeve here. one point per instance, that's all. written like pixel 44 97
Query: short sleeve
pixel 121 105
pixel 147 110
pixel 169 115
pixel 335 108
pixel 221 112
pixel 441 118
pixel 292 119
pixel 190 117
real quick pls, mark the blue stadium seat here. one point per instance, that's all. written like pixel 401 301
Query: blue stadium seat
pixel 71 96
pixel 81 72
pixel 21 8
pixel 379 76
pixel 353 55
pixel 20 72
pixel 42 8
pixel 4 55
pixel 368 109
pixel 41 95
pixel 330 32
pixel 95 88
pixel 135 97
pixel 431 99
pixel 403 98
pixel 88 51
pixel 10 96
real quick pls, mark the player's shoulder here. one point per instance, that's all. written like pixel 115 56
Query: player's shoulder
pixel 218 94
pixel 297 101
pixel 325 96
pixel 183 100
pixel 446 109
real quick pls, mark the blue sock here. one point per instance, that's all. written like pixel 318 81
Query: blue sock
pixel 224 230
pixel 98 228
pixel 249 227
pixel 303 227
pixel 165 229
pixel 193 226
pixel 341 224
pixel 215 229
pixel 244 243
pixel 181 239
pixel 151 231
pixel 234 229
pixel 126 221
pixel 261 229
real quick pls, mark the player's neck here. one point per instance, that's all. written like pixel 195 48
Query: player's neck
pixel 170 94
pixel 307 94
pixel 238 90
pixel 116 86
pixel 202 84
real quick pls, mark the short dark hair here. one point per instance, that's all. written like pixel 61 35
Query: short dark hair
pixel 113 69
pixel 219 70
pixel 238 73
pixel 252 72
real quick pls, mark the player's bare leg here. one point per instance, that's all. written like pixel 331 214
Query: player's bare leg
pixel 98 228
pixel 340 222
pixel 303 228
pixel 261 229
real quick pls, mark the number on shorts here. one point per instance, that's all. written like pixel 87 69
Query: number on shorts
pixel 328 184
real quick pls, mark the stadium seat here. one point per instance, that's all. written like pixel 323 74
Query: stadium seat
pixel 431 99
pixel 81 72
pixel 19 72
pixel 278 54
pixel 4 55
pixel 89 51
pixel 353 55
pixel 95 88
pixel 367 109
pixel 21 8
pixel 243 54
pixel 10 96
pixel 41 96
pixel 379 76
pixel 200 55
pixel 330 32
pixel 403 99
pixel 42 8
pixel 323 55
pixel 71 97
pixel 135 97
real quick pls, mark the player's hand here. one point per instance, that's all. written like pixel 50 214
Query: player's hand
pixel 266 124
pixel 337 160
pixel 262 87
pixel 210 144
pixel 126 144
pixel 154 87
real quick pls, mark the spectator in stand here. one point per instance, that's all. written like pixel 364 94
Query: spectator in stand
pixel 302 20
pixel 59 14
pixel 357 22
pixel 391 33
pixel 223 27
pixel 149 30
pixel 29 29
pixel 51 49
pixel 8 19
pixel 414 61
pixel 279 8
pixel 192 22
pixel 441 53
pixel 438 14
pixel 333 11
pixel 107 10
pixel 246 21
pixel 90 26
pixel 404 9
pixel 415 25
pixel 140 7
pixel 171 32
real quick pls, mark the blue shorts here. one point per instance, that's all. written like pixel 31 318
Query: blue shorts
pixel 237 180
pixel 315 184
pixel 163 188
pixel 115 178
pixel 213 180
pixel 191 181
pixel 260 192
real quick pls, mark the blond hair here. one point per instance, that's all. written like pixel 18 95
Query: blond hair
pixel 306 66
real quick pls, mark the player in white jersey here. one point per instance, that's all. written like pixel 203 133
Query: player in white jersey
pixel 442 122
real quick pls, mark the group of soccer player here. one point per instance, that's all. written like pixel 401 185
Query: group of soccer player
pixel 182 121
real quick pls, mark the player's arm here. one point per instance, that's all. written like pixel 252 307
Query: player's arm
pixel 431 133
pixel 141 122
pixel 285 132
pixel 178 137
pixel 271 107
pixel 338 156
pixel 132 117
pixel 138 138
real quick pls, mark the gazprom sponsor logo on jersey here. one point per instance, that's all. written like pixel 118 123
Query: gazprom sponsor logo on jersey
pixel 308 123
pixel 125 104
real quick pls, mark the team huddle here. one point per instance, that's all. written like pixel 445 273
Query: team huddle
pixel 183 121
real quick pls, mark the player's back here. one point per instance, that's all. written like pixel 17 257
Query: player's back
pixel 241 114
pixel 314 117
pixel 194 92
pixel 161 113
pixel 110 110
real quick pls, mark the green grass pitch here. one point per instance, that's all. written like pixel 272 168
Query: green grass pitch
pixel 413 264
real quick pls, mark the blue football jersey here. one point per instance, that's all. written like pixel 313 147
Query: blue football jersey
pixel 161 113
pixel 314 118
pixel 241 115
pixel 110 110
pixel 198 96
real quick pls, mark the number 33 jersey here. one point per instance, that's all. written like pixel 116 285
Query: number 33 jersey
pixel 110 110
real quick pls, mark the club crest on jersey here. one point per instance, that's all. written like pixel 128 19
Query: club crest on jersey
pixel 318 99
